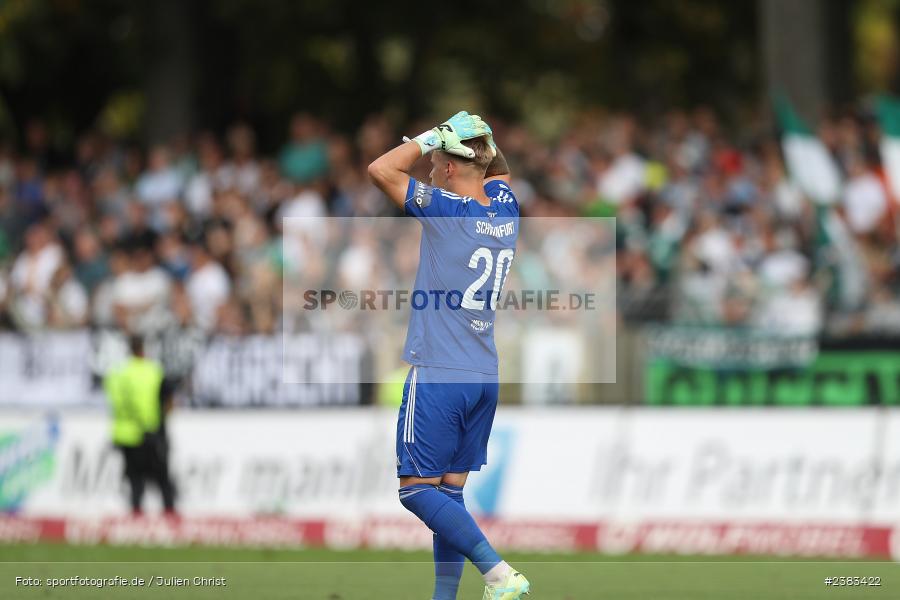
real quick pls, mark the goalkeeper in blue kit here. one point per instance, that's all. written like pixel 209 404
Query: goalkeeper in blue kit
pixel 470 221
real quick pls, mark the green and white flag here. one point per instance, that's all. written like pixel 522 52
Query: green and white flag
pixel 809 162
pixel 889 118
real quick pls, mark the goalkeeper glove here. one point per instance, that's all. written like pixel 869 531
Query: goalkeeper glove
pixel 449 135
pixel 469 127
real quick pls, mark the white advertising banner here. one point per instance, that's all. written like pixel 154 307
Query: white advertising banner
pixel 223 463
pixel 750 464
pixel 62 370
pixel 47 369
pixel 886 503
pixel 840 466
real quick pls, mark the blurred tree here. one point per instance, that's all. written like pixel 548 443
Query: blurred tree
pixel 205 63
pixel 539 58
pixel 877 45
pixel 806 47
pixel 61 59
pixel 168 70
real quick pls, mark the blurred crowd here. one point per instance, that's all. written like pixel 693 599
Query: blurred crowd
pixel 709 229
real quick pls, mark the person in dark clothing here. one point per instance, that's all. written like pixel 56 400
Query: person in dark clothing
pixel 139 397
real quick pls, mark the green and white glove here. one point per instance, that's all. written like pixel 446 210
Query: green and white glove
pixel 468 127
pixel 449 135
pixel 490 140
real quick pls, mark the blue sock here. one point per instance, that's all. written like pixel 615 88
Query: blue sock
pixel 448 561
pixel 451 522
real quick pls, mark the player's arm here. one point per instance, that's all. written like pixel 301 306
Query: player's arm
pixel 498 170
pixel 390 171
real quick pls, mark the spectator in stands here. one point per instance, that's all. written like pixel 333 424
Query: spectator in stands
pixel 233 318
pixel 67 300
pixel 208 287
pixel 29 192
pixel 173 256
pixel 211 178
pixel 305 158
pixel 883 313
pixel 242 171
pixel 104 312
pixel 795 310
pixel 110 195
pixel 141 295
pixel 160 183
pixel 8 227
pixel 782 265
pixel 710 228
pixel 32 274
pixel 623 178
pixel 865 201
pixel 91 263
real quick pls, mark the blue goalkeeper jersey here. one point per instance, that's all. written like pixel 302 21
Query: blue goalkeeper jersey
pixel 464 258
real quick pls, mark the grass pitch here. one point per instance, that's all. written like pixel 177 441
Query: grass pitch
pixel 378 575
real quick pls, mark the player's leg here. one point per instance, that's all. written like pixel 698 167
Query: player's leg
pixel 135 476
pixel 448 561
pixel 159 471
pixel 471 455
pixel 428 433
pixel 452 523
pixel 502 582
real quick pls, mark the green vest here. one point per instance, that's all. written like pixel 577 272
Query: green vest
pixel 390 392
pixel 133 394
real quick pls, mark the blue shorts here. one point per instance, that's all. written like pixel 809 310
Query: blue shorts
pixel 444 427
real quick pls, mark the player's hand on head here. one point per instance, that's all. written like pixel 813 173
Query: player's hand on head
pixel 449 135
pixel 464 125
pixel 489 135
pixel 460 127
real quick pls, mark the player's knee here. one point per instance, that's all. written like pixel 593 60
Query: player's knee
pixel 413 486
pixel 419 499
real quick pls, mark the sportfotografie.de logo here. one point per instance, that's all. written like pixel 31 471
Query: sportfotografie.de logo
pixel 395 299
